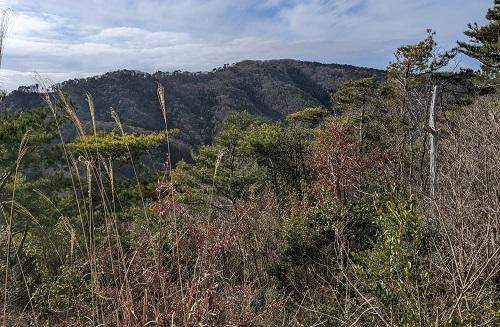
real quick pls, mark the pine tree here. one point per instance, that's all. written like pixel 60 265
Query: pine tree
pixel 33 131
pixel 484 43
pixel 409 81
pixel 352 98
pixel 222 173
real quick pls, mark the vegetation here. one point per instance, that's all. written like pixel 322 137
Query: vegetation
pixel 199 102
pixel 483 44
pixel 320 218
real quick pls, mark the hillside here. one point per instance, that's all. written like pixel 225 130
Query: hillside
pixel 290 194
pixel 198 102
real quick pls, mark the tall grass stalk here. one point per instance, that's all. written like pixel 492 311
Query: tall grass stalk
pixel 20 155
pixel 163 108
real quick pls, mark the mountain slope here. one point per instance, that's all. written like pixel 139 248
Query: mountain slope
pixel 198 102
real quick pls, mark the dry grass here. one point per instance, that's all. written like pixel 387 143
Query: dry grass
pixel 175 266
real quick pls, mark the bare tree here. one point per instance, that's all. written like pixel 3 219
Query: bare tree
pixel 432 149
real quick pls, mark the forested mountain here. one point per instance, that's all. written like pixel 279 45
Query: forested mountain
pixel 197 103
pixel 311 194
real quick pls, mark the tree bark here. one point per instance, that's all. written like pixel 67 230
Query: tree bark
pixel 433 144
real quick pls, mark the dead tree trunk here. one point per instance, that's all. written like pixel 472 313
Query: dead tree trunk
pixel 433 144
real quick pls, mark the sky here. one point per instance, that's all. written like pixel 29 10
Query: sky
pixel 60 40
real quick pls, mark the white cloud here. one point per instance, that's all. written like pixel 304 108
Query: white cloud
pixel 8 3
pixel 133 37
pixel 32 25
pixel 11 79
pixel 65 39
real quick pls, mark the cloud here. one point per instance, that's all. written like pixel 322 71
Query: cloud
pixel 65 39
pixel 133 37
pixel 11 80
pixel 26 25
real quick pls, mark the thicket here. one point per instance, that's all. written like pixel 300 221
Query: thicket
pixel 324 219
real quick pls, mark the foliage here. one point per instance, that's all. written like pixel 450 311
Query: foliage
pixel 246 156
pixel 412 66
pixel 337 167
pixel 308 115
pixel 282 152
pixel 36 128
pixel 354 98
pixel 403 100
pixel 392 269
pixel 484 43
pixel 353 95
pixel 318 220
pixel 308 231
pixel 224 170
pixel 114 146
pixel 199 102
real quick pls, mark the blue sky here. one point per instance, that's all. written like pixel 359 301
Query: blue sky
pixel 59 40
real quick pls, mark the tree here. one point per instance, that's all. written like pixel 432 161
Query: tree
pixel 353 98
pixel 222 173
pixel 415 64
pixel 391 270
pixel 282 152
pixel 484 43
pixel 308 115
pixel 337 169
pixel 37 129
pixel 405 96
pixel 113 146
pixel 28 167
pixel 246 157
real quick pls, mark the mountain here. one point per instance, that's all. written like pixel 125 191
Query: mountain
pixel 198 102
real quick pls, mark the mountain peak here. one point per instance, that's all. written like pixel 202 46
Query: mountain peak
pixel 198 101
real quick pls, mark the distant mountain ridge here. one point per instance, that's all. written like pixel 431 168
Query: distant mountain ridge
pixel 198 102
